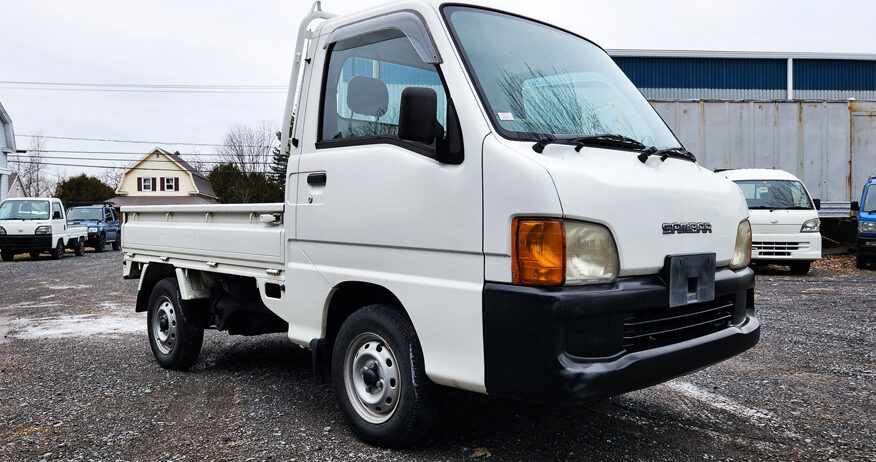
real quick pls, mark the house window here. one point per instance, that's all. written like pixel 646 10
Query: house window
pixel 169 184
pixel 147 184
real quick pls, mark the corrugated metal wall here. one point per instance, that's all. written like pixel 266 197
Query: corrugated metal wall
pixel 828 145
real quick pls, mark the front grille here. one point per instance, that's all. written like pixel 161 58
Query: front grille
pixel 656 328
pixel 778 249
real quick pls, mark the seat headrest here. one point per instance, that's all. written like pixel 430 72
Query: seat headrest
pixel 367 96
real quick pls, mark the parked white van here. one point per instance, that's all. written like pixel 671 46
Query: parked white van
pixel 784 218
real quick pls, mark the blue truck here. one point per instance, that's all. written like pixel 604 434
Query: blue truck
pixel 867 224
pixel 103 225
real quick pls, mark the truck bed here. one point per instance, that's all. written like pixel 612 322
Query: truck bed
pixel 220 238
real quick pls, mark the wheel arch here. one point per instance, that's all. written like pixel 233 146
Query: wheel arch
pixel 151 274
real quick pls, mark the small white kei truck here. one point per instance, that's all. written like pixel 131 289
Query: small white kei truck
pixel 474 200
pixel 784 218
pixel 35 225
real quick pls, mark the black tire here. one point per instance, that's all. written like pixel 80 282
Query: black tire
pixel 117 244
pixel 415 407
pixel 58 251
pixel 100 246
pixel 860 261
pixel 183 337
pixel 79 248
pixel 7 255
pixel 800 267
pixel 34 254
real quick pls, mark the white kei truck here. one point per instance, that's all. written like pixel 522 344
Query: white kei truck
pixel 475 200
pixel 784 218
pixel 35 225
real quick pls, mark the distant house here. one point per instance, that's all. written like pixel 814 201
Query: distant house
pixel 163 178
pixel 7 146
pixel 16 189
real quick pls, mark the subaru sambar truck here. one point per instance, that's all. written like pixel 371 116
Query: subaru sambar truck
pixel 457 214
pixel 35 225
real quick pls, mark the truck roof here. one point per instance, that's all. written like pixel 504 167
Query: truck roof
pixel 758 174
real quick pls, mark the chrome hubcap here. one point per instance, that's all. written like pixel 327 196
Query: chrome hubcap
pixel 163 324
pixel 371 378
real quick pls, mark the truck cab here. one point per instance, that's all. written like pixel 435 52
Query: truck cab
pixel 784 218
pixel 37 224
pixel 102 222
pixel 457 212
pixel 866 251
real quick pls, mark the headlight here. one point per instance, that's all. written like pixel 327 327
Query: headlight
pixel 742 251
pixel 92 230
pixel 863 226
pixel 554 252
pixel 591 254
pixel 811 226
pixel 43 230
pixel 2 231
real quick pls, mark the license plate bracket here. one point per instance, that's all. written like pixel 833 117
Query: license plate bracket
pixel 690 278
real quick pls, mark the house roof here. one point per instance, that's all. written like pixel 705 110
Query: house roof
pixel 123 201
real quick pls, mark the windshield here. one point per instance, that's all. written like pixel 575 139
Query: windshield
pixel 537 80
pixel 24 210
pixel 85 214
pixel 870 200
pixel 775 194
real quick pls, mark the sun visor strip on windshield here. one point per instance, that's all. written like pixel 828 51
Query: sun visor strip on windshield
pixel 409 22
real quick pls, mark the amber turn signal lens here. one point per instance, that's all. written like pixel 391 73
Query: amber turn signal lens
pixel 538 252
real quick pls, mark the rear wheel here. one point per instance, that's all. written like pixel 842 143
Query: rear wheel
pixel 58 251
pixel 379 378
pixel 800 267
pixel 860 261
pixel 173 335
pixel 79 248
pixel 101 243
pixel 7 255
pixel 117 244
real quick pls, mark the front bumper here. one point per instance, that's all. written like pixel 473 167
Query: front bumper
pixel 867 246
pixel 25 242
pixel 565 345
pixel 798 246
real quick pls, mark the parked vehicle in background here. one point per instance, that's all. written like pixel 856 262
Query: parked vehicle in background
pixel 457 212
pixel 103 225
pixel 784 218
pixel 866 251
pixel 36 225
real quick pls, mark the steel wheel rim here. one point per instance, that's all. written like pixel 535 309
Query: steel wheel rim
pixel 371 378
pixel 164 325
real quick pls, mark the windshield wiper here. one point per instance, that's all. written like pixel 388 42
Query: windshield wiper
pixel 610 140
pixel 664 153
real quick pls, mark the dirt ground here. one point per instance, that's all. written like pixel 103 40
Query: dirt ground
pixel 78 382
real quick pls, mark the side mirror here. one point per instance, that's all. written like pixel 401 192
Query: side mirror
pixel 418 122
pixel 817 203
pixel 56 215
pixel 855 206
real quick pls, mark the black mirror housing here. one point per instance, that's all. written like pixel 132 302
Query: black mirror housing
pixel 417 118
pixel 817 203
pixel 855 206
pixel 56 215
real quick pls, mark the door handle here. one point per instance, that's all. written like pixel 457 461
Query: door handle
pixel 316 179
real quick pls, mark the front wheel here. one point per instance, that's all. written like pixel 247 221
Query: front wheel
pixel 800 267
pixel 379 378
pixel 173 335
pixel 58 251
pixel 101 243
pixel 79 248
pixel 860 261
pixel 7 255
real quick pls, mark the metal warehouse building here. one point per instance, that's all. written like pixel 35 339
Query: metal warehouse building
pixel 811 114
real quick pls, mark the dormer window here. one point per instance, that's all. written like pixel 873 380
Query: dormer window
pixel 147 184
pixel 169 184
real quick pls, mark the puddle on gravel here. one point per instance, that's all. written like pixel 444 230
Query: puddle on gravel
pixel 77 325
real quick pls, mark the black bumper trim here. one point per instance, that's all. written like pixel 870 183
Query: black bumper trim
pixel 528 332
pixel 866 250
pixel 25 242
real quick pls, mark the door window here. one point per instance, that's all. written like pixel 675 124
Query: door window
pixel 56 208
pixel 364 82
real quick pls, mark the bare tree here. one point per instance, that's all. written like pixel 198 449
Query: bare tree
pixel 249 148
pixel 112 176
pixel 35 177
pixel 196 160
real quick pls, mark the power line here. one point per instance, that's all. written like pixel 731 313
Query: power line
pixel 110 140
pixel 116 167
pixel 12 156
pixel 112 90
pixel 142 85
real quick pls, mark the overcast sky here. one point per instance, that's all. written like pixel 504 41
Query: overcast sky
pixel 251 43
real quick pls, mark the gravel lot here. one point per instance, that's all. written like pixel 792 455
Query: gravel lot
pixel 78 381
